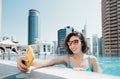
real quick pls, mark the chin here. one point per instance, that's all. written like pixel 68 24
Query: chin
pixel 75 52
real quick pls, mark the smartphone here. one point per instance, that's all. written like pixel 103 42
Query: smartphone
pixel 30 56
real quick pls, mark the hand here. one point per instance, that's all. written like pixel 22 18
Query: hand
pixel 79 69
pixel 21 65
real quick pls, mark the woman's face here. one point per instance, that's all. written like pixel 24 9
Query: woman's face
pixel 75 44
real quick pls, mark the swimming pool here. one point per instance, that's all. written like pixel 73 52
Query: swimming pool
pixel 108 65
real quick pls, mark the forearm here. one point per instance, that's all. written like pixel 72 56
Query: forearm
pixel 45 63
pixel 42 63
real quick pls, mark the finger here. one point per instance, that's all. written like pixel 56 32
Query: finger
pixel 22 60
pixel 21 66
pixel 23 69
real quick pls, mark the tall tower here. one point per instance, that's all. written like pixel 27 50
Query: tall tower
pixel 62 33
pixel 0 17
pixel 33 26
pixel 95 45
pixel 84 31
pixel 111 27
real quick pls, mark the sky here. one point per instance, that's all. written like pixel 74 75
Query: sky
pixel 54 15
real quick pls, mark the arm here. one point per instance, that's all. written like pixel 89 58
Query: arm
pixel 21 66
pixel 45 63
pixel 95 65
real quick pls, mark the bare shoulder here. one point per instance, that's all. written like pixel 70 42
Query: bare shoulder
pixel 63 57
pixel 60 59
pixel 93 58
pixel 94 63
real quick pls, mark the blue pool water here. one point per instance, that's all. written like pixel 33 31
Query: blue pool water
pixel 108 65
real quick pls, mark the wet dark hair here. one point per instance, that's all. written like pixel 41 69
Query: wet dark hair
pixel 84 44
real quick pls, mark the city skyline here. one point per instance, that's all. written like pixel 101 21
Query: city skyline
pixel 54 15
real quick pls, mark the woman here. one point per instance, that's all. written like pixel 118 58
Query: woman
pixel 76 59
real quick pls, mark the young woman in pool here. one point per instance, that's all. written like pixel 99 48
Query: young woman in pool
pixel 76 59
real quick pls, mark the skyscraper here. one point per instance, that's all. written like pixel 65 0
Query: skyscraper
pixel 95 45
pixel 62 33
pixel 0 17
pixel 84 31
pixel 111 27
pixel 33 26
pixel 100 46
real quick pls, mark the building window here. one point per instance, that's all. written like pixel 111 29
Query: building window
pixel 44 48
pixel 48 48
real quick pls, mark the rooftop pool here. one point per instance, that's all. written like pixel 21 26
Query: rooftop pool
pixel 108 64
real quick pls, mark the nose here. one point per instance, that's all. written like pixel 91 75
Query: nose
pixel 72 46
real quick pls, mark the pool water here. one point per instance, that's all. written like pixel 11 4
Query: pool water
pixel 108 65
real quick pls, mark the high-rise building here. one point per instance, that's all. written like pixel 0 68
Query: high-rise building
pixel 89 45
pixel 33 26
pixel 95 45
pixel 0 17
pixel 46 47
pixel 100 46
pixel 111 27
pixel 84 31
pixel 55 46
pixel 62 33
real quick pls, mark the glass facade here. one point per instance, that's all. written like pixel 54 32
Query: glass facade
pixel 0 17
pixel 62 33
pixel 84 31
pixel 32 26
pixel 95 44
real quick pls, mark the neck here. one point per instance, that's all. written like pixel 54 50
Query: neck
pixel 78 55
